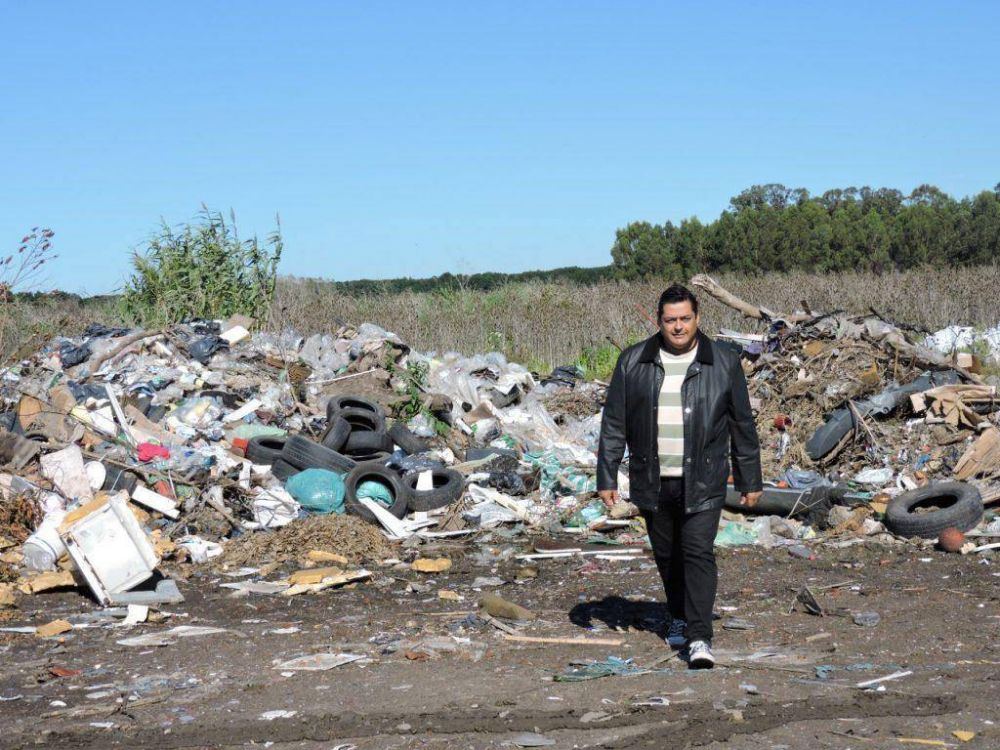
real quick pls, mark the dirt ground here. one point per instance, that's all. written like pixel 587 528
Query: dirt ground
pixel 785 680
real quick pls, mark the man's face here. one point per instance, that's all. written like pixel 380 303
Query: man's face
pixel 678 325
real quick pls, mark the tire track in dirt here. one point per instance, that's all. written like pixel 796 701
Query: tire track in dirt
pixel 689 726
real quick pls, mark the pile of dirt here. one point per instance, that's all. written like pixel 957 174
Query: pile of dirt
pixel 350 536
pixel 580 403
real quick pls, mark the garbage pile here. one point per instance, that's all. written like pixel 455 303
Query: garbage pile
pixel 129 456
pixel 127 453
pixel 852 412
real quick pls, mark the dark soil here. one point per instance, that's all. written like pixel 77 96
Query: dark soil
pixel 939 619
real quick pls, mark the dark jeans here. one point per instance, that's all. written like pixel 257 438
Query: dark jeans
pixel 683 545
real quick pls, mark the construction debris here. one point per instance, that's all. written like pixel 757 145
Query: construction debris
pixel 203 443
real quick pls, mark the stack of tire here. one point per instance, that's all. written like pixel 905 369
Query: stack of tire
pixel 358 445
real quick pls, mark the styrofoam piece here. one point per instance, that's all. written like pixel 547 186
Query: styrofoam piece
pixel 425 481
pixel 155 501
pixel 234 335
pixel 96 474
pixel 108 545
pixel 248 408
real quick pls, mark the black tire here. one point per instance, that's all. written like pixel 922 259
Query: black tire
pixel 336 434
pixel 367 442
pixel 409 442
pixel 372 457
pixel 264 449
pixel 362 420
pixel 959 505
pixel 782 501
pixel 283 471
pixel 376 472
pixel 337 404
pixel 303 453
pixel 448 487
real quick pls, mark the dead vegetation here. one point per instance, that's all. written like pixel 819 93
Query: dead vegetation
pixel 548 324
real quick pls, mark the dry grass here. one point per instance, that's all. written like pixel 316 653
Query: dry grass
pixel 546 324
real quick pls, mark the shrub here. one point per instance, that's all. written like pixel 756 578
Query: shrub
pixel 201 270
pixel 20 271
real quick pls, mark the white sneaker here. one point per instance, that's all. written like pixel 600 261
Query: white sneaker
pixel 700 655
pixel 675 634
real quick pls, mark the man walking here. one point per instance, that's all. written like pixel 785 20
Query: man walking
pixel 678 401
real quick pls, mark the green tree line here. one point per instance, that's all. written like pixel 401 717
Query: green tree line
pixel 775 228
pixel 475 281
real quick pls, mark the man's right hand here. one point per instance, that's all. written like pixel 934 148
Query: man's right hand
pixel 608 497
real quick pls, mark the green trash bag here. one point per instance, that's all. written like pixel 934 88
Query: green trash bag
pixel 318 490
pixel 376 491
pixel 735 535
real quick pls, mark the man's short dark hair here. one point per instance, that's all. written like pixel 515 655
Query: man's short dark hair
pixel 676 293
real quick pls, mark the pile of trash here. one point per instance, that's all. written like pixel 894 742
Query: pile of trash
pixel 869 428
pixel 127 452
pixel 129 455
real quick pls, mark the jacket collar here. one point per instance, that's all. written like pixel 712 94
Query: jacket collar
pixel 651 349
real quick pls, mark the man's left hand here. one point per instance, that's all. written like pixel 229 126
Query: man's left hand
pixel 749 499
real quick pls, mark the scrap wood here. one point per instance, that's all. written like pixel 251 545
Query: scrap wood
pixel 487 618
pixel 952 403
pixel 981 457
pixel 718 292
pixel 893 339
pixel 127 341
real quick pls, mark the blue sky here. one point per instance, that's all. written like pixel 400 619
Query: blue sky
pixel 415 138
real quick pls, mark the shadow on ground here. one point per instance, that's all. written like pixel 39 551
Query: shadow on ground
pixel 619 613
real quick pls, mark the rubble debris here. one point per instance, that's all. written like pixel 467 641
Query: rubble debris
pixel 207 443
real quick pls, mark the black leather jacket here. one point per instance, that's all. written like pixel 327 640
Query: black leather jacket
pixel 717 422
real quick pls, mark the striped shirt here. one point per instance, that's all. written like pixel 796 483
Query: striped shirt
pixel 670 413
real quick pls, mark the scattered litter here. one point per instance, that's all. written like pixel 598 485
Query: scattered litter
pixel 277 714
pixel 318 662
pixel 612 666
pixel 169 637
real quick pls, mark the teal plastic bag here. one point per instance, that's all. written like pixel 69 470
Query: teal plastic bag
pixel 375 491
pixel 318 490
pixel 735 535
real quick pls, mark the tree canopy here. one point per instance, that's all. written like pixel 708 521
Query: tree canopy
pixel 775 228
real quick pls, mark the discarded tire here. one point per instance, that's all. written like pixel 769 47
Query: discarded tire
pixel 338 404
pixel 927 511
pixel 367 442
pixel 406 439
pixel 366 472
pixel 264 449
pixel 336 434
pixel 362 420
pixel 303 453
pixel 373 457
pixel 448 487
pixel 283 471
pixel 813 503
